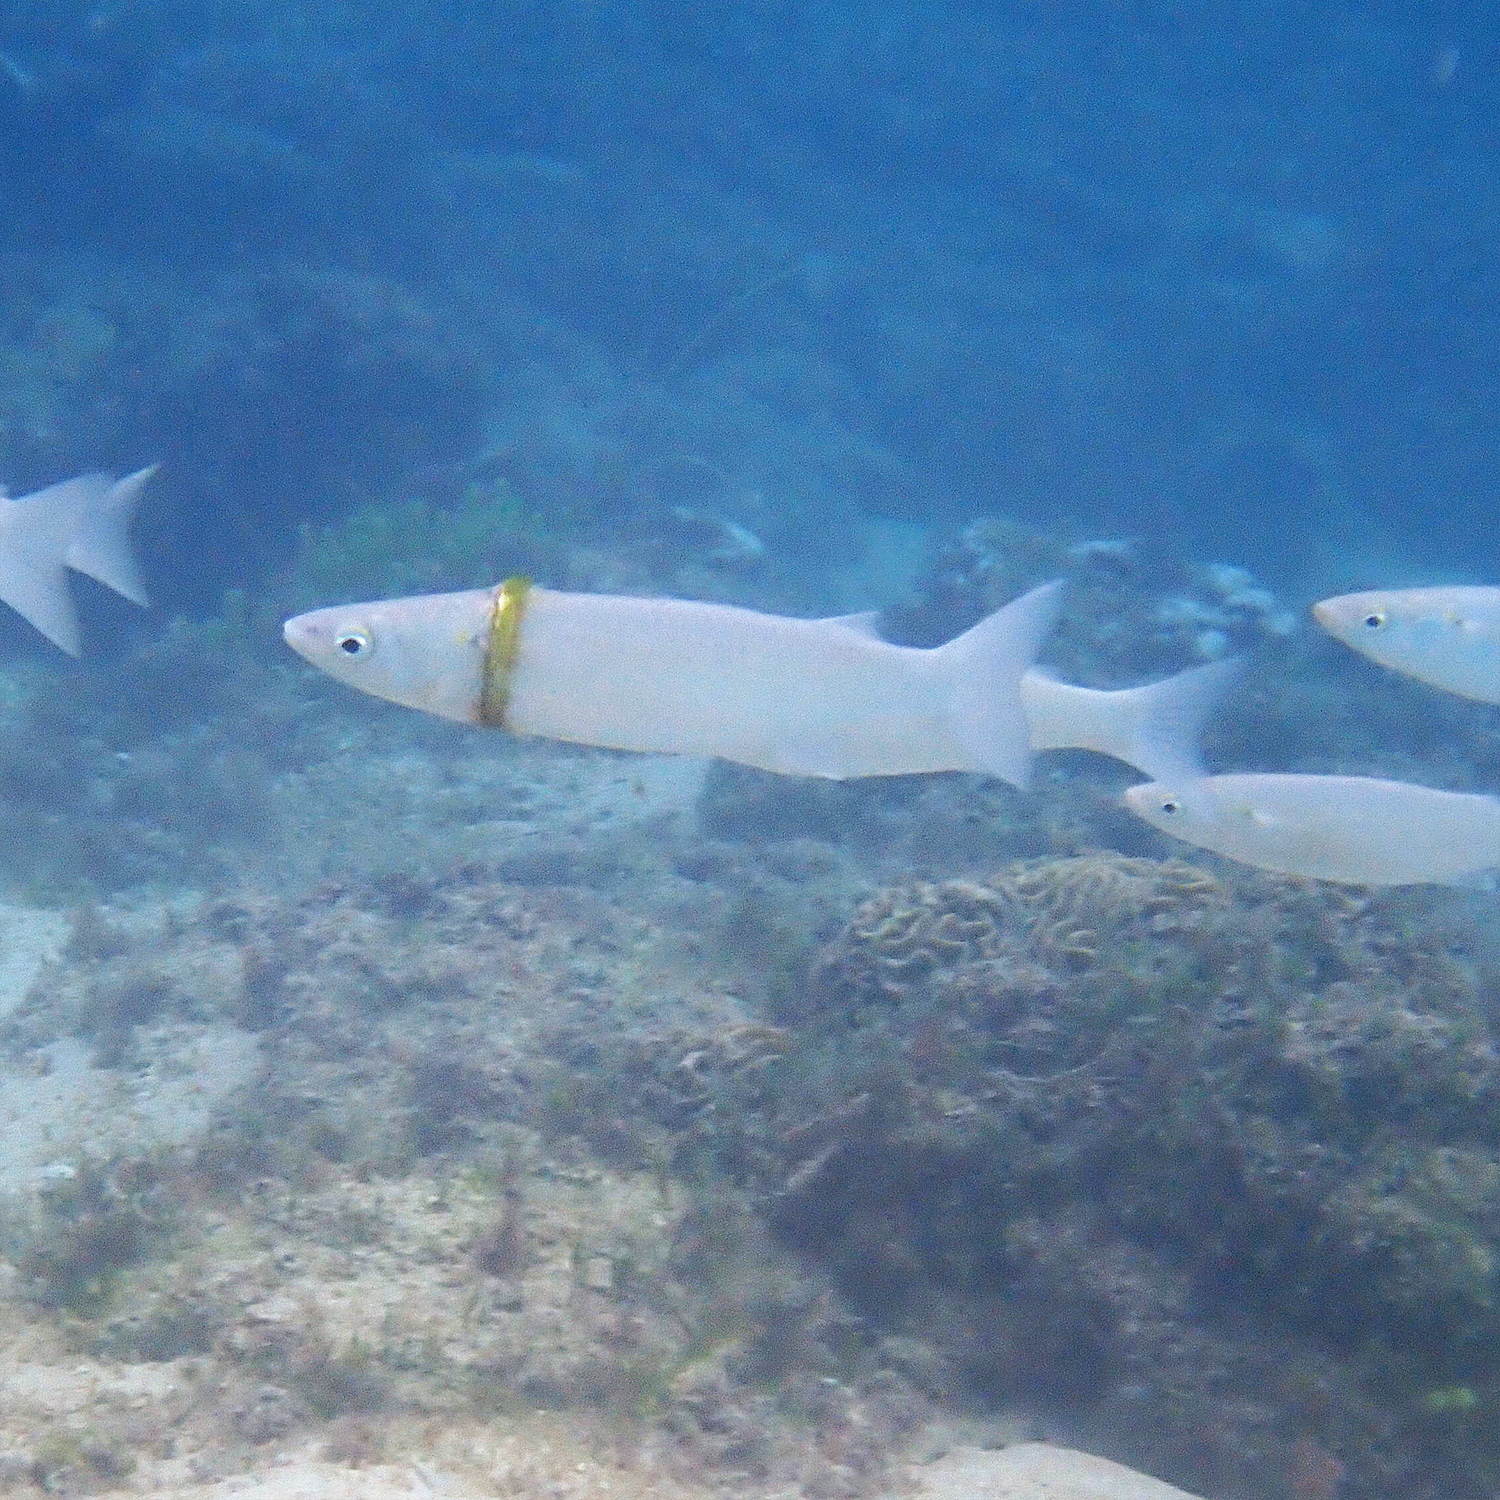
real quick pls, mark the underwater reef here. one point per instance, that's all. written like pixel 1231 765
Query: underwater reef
pixel 427 1075
pixel 898 272
pixel 1192 1167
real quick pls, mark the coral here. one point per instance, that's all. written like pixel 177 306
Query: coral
pixel 726 1059
pixel 1265 1089
pixel 1084 908
pixel 411 546
pixel 1068 915
pixel 1133 610
pixel 903 934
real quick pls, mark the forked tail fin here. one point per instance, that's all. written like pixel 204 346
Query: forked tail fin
pixel 101 544
pixel 1156 727
pixel 35 534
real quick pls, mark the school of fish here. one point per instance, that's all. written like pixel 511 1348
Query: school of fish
pixel 831 698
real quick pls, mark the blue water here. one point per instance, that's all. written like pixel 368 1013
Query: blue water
pixel 1226 273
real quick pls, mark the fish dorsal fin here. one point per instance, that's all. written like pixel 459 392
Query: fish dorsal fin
pixel 101 543
pixel 863 622
pixel 35 534
pixel 989 661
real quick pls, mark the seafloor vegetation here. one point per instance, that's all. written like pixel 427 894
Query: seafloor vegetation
pixel 770 1169
pixel 408 1071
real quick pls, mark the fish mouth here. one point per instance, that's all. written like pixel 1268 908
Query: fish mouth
pixel 299 633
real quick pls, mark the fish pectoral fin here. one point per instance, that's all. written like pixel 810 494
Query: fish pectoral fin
pixel 1257 815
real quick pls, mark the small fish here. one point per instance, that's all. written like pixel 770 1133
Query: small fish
pixel 800 697
pixel 1358 830
pixel 82 524
pixel 1447 637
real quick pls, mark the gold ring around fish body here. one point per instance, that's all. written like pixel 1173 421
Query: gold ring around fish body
pixel 500 653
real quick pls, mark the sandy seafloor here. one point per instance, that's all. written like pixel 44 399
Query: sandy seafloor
pixel 336 1338
pixel 59 1108
pixel 177 1425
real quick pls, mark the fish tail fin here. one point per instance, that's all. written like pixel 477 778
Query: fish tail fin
pixel 35 534
pixel 989 660
pixel 1164 720
pixel 101 545
pixel 1156 727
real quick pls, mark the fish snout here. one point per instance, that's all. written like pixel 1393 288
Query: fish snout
pixel 1347 615
pixel 301 633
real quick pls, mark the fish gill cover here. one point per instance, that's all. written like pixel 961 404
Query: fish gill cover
pixel 771 1122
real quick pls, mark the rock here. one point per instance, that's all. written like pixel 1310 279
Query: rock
pixel 1037 1471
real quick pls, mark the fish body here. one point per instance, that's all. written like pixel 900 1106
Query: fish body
pixel 1447 637
pixel 1358 830
pixel 82 524
pixel 800 697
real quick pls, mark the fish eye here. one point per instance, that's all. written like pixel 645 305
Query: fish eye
pixel 353 643
pixel 1170 806
pixel 1375 619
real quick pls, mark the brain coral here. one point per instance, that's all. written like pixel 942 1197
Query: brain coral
pixel 1064 914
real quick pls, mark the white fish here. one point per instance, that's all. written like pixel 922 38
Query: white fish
pixel 1359 830
pixel 83 524
pixel 800 697
pixel 1155 727
pixel 1446 637
pixel 101 545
